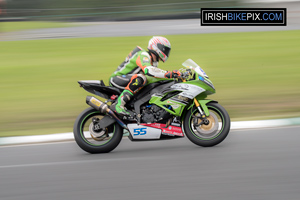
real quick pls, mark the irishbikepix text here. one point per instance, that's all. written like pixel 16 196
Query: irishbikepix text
pixel 243 17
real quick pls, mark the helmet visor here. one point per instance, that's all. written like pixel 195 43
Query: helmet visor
pixel 166 50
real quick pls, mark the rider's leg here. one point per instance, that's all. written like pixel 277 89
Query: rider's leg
pixel 137 82
pixel 120 81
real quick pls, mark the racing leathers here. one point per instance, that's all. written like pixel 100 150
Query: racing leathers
pixel 130 76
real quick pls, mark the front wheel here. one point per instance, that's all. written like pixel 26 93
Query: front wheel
pixel 211 134
pixel 94 139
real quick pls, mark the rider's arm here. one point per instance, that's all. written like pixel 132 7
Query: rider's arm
pixel 143 61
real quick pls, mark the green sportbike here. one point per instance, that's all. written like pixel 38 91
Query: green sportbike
pixel 163 109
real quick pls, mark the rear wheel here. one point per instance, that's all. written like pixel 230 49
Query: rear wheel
pixel 94 139
pixel 211 134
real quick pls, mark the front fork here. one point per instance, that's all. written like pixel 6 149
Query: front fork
pixel 199 108
pixel 202 119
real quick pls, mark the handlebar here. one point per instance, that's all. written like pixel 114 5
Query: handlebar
pixel 186 74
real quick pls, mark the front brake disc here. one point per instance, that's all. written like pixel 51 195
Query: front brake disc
pixel 210 129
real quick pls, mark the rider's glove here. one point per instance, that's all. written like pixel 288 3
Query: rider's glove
pixel 173 74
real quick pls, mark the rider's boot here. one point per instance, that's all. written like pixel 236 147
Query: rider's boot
pixel 119 106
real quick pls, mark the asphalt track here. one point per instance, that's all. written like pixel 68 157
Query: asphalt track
pixel 137 28
pixel 253 164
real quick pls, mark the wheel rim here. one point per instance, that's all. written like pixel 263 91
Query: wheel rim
pixel 100 135
pixel 210 131
pixel 92 137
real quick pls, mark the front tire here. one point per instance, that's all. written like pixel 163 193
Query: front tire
pixel 95 141
pixel 213 133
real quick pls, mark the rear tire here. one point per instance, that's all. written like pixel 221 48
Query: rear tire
pixel 213 133
pixel 108 139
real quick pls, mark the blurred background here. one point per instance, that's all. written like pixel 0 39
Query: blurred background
pixel 47 46
pixel 105 10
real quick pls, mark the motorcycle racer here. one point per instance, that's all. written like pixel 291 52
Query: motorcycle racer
pixel 130 74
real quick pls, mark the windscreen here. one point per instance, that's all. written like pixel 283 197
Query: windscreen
pixel 189 63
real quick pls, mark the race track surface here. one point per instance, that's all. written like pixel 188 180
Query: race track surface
pixel 248 165
pixel 137 28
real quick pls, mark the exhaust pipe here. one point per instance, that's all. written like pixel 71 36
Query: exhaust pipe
pixel 97 104
pixel 104 109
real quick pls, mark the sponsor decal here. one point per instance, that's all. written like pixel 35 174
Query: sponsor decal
pixel 175 106
pixel 181 86
pixel 146 60
pixel 94 101
pixel 170 130
pixel 182 98
pixel 187 95
pixel 189 90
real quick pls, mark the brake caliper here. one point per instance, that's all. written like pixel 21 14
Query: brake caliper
pixel 199 120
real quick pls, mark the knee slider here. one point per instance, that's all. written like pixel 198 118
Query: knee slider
pixel 136 84
pixel 142 78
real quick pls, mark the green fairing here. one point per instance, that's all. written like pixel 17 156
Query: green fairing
pixel 202 95
pixel 176 106
pixel 202 103
pixel 208 90
pixel 178 111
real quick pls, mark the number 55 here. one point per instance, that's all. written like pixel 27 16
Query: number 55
pixel 140 131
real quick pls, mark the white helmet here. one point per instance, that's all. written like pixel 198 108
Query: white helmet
pixel 160 46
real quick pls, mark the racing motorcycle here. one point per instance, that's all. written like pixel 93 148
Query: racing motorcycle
pixel 163 109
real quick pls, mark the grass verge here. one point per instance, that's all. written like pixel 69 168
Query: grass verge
pixel 256 75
